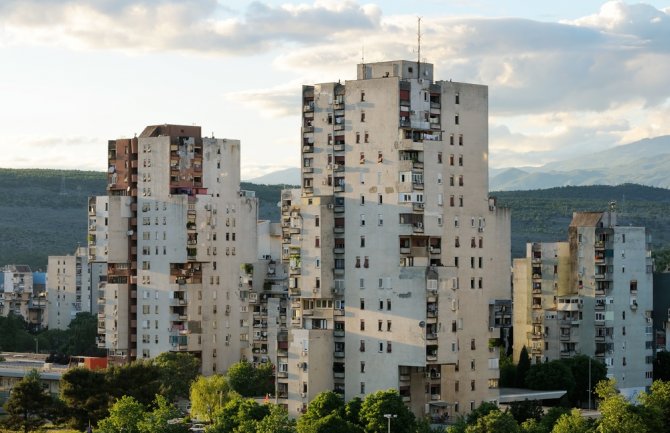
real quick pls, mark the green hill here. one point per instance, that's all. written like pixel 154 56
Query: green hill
pixel 43 212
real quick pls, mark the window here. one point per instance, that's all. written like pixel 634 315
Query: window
pixel 439 157
pixel 362 303
pixel 362 219
pixel 457 98
pixel 362 325
pixel 358 137
pixel 451 139
pixel 380 325
pixel 316 222
pixel 460 139
pixel 388 304
pixel 362 241
pixel 460 180
pixel 457 119
pixel 362 366
pixel 380 199
pixel 362 346
pixel 362 200
pixel 460 160
pixel 317 242
pixel 362 388
pixel 362 116
pixel 362 95
pixel 388 326
pixel 380 220
pixel 366 137
pixel 472 385
pixel 381 346
pixel 389 348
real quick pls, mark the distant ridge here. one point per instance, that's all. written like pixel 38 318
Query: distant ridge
pixel 644 162
pixel 287 176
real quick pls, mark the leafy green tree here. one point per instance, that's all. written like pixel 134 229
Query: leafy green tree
pixel 250 381
pixel 177 372
pixel 139 379
pixel 379 403
pixel 550 376
pixel 352 410
pixel 494 422
pixel 527 409
pixel 572 422
pixel 507 372
pixel 482 410
pixel 162 419
pixel 522 367
pixel 553 414
pixel 277 421
pixel 28 404
pixel 82 333
pixel 334 423
pixel 237 412
pixel 656 403
pixel 324 404
pixel 579 366
pixel 125 416
pixel 662 366
pixel 531 425
pixel 617 414
pixel 208 395
pixel 85 395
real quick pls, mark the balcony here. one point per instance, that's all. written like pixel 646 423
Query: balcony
pixel 338 354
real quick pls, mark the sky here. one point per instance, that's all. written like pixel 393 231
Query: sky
pixel 566 78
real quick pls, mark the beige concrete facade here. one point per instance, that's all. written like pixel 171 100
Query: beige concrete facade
pixel 68 288
pixel 395 250
pixel 591 295
pixel 177 230
pixel 19 296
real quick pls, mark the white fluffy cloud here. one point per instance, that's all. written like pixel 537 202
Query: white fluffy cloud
pixel 555 88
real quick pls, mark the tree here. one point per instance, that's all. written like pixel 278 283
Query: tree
pixel 208 394
pixel 250 381
pixel 379 403
pixel 657 405
pixel 334 423
pixel 531 425
pixel 617 414
pixel 527 409
pixel 125 416
pixel 324 404
pixel 507 372
pixel 238 412
pixel 572 422
pixel 662 366
pixel 352 410
pixel 85 394
pixel 494 422
pixel 177 371
pixel 28 404
pixel 82 333
pixel 522 367
pixel 550 376
pixel 551 417
pixel 162 419
pixel 579 366
pixel 277 421
pixel 482 410
pixel 139 379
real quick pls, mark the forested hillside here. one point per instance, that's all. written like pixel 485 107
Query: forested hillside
pixel 43 212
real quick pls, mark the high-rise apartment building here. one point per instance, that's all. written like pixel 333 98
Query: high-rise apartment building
pixel 591 295
pixel 19 296
pixel 69 289
pixel 399 262
pixel 174 232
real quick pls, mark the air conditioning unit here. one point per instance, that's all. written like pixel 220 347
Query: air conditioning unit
pixel 492 329
pixel 330 205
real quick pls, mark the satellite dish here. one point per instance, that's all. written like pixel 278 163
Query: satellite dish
pixel 422 324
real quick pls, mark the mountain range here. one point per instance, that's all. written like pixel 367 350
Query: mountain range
pixel 643 162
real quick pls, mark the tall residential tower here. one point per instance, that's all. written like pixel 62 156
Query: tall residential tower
pixel 399 262
pixel 176 229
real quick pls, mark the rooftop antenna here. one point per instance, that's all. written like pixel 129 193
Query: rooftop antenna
pixel 418 43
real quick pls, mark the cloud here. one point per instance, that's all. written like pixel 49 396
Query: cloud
pixel 278 101
pixel 144 25
pixel 75 153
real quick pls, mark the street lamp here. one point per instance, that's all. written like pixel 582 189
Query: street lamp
pixel 388 417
